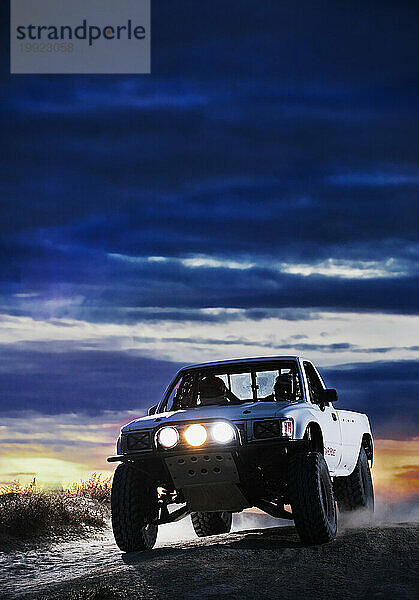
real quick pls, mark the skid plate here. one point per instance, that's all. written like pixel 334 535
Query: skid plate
pixel 208 481
pixel 199 468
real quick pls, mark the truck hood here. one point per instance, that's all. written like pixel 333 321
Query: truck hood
pixel 249 410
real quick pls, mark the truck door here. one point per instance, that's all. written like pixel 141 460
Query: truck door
pixel 326 416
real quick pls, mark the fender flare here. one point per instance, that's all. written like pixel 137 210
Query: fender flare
pixel 316 436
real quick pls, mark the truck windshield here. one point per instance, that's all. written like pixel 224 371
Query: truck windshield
pixel 234 384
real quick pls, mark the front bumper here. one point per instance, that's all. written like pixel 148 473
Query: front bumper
pixel 216 476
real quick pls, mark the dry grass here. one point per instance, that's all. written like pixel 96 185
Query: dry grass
pixel 96 487
pixel 28 512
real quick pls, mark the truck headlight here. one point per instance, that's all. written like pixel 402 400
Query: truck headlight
pixel 223 433
pixel 168 437
pixel 196 435
pixel 287 428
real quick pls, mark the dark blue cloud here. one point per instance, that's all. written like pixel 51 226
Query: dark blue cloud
pixel 304 96
pixel 93 286
pixel 52 379
pixel 273 129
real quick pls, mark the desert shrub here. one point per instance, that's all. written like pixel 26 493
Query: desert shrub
pixel 30 512
pixel 96 487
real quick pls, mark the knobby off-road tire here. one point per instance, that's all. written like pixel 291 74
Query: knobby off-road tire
pixel 311 498
pixel 355 491
pixel 211 523
pixel 134 507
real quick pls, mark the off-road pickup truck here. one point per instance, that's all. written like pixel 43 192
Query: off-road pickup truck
pixel 230 435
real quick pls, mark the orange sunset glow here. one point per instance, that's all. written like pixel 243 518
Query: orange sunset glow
pixel 396 469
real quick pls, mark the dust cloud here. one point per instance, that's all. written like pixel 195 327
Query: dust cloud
pixel 386 513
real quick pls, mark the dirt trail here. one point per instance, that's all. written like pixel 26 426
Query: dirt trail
pixel 370 562
pixel 26 570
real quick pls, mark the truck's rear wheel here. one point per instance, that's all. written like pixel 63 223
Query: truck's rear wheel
pixel 311 498
pixel 355 491
pixel 134 508
pixel 211 523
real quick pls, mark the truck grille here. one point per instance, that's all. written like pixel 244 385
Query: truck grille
pixel 242 431
pixel 263 430
pixel 136 441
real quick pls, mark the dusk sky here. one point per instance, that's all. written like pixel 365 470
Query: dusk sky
pixel 257 194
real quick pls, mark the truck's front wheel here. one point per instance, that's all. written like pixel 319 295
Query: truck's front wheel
pixel 134 508
pixel 311 498
pixel 211 523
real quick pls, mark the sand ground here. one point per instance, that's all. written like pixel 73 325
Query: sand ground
pixel 375 562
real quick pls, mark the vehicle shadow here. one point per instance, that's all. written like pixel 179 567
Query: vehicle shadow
pixel 252 539
pixel 278 537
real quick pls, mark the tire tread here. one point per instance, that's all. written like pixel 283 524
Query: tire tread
pixel 305 496
pixel 211 523
pixel 349 490
pixel 131 505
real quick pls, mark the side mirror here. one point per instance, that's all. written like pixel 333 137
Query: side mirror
pixel 152 410
pixel 327 396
